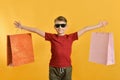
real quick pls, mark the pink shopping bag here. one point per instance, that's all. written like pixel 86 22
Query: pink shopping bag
pixel 102 48
pixel 19 49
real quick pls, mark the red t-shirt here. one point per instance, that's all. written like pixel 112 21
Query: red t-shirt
pixel 61 47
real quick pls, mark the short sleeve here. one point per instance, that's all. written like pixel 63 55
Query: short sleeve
pixel 74 36
pixel 48 36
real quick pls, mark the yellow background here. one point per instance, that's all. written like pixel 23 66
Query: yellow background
pixel 41 14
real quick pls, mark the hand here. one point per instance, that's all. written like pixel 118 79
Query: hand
pixel 103 23
pixel 18 24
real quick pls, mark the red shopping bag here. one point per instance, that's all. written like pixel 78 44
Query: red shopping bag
pixel 102 48
pixel 19 49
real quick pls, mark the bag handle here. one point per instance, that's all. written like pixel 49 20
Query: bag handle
pixel 17 30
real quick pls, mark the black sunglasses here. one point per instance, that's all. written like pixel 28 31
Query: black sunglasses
pixel 58 25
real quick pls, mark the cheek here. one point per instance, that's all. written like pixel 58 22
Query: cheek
pixel 64 28
pixel 55 28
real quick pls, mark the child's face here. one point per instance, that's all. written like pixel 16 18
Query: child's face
pixel 60 27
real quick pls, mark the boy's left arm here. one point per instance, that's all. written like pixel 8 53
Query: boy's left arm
pixel 88 28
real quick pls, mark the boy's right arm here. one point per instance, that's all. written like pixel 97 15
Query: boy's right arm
pixel 18 25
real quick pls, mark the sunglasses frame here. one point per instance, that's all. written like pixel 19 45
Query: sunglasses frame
pixel 62 25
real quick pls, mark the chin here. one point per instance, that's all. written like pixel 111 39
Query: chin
pixel 60 33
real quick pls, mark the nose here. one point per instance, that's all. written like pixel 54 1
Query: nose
pixel 60 27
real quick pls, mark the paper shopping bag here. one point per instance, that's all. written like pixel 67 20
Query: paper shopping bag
pixel 102 48
pixel 19 49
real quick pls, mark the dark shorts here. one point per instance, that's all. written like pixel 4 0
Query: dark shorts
pixel 60 73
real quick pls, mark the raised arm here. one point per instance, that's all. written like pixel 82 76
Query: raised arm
pixel 88 28
pixel 19 25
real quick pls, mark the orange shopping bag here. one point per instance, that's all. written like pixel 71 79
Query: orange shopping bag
pixel 19 49
pixel 102 48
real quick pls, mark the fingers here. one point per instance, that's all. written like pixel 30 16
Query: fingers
pixel 17 24
pixel 104 23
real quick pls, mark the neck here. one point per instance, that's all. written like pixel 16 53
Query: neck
pixel 61 34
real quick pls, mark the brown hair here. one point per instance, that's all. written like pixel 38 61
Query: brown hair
pixel 60 18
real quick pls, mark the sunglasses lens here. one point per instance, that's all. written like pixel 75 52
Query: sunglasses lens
pixel 58 25
pixel 63 25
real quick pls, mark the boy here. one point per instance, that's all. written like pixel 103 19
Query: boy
pixel 60 64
